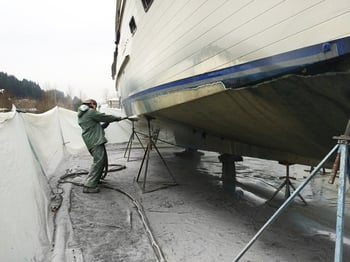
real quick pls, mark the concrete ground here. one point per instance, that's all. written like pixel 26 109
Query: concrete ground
pixel 196 220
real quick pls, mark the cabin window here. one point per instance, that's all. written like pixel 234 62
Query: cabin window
pixel 132 25
pixel 146 4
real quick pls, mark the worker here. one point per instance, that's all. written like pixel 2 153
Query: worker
pixel 93 135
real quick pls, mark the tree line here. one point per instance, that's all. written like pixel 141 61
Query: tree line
pixel 26 94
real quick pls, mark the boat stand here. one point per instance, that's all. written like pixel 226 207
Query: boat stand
pixel 131 139
pixel 150 145
pixel 287 183
pixel 228 176
pixel 342 148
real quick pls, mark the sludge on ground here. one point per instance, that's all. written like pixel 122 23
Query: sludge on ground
pixel 198 220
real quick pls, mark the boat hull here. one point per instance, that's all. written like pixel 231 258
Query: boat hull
pixel 247 83
pixel 293 118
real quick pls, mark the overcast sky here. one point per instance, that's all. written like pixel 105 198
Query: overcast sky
pixel 62 44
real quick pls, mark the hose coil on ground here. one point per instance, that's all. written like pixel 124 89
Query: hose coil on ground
pixel 145 223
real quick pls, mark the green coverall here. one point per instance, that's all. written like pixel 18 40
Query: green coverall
pixel 94 137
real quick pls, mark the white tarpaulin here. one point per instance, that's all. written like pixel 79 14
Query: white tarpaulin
pixel 32 146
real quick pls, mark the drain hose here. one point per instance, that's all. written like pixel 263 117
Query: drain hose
pixel 145 223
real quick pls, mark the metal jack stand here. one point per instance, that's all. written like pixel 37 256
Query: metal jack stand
pixel 151 144
pixel 131 139
pixel 287 183
pixel 342 148
pixel 343 154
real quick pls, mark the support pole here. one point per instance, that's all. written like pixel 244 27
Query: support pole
pixel 150 145
pixel 338 255
pixel 285 204
pixel 343 141
pixel 131 139
pixel 229 170
pixel 287 183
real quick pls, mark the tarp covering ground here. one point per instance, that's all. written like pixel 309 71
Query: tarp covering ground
pixel 32 146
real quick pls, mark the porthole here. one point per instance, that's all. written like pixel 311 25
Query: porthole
pixel 146 4
pixel 132 25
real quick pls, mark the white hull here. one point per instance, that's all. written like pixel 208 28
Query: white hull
pixel 164 68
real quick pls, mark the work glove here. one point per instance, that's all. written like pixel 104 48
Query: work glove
pixel 119 118
pixel 104 125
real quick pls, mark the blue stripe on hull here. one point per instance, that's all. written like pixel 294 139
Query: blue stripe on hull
pixel 255 71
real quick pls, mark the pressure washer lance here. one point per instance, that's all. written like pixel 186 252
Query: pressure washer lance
pixel 131 118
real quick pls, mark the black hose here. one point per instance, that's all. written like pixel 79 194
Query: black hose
pixel 137 204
